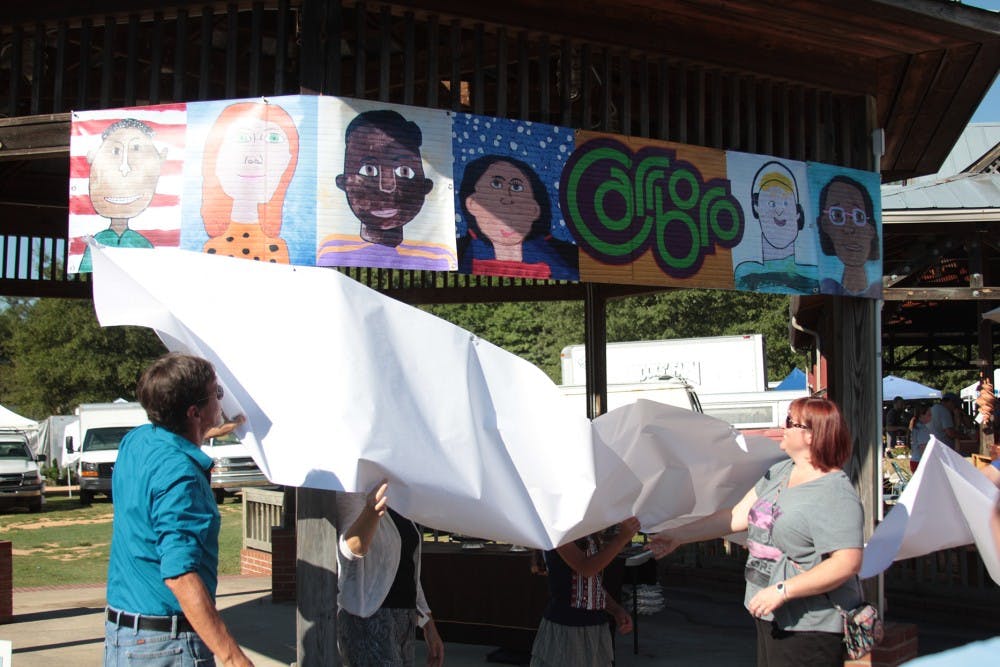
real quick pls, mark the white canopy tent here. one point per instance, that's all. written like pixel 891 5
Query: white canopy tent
pixel 11 421
pixel 971 392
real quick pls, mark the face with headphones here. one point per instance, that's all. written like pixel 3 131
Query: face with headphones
pixel 776 207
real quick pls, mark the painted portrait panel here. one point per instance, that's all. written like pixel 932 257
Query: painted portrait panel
pixel 125 179
pixel 507 216
pixel 249 179
pixel 848 211
pixel 778 252
pixel 384 186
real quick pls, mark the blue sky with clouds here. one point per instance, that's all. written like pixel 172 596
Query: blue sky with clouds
pixel 989 109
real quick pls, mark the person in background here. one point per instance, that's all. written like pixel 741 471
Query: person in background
pixel 942 425
pixel 380 600
pixel 897 420
pixel 164 560
pixel 920 434
pixel 574 627
pixel 804 526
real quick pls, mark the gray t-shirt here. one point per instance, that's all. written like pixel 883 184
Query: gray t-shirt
pixel 799 526
pixel 941 420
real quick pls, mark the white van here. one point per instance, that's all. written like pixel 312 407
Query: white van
pixel 101 429
pixel 21 481
pixel 233 468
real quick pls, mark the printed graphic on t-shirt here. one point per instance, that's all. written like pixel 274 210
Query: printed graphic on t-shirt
pixel 763 554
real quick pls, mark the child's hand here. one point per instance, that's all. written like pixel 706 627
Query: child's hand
pixel 623 620
pixel 377 501
pixel 629 527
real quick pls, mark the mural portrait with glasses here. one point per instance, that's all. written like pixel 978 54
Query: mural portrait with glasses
pixel 850 235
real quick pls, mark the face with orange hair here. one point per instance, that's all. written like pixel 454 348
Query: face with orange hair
pixel 250 156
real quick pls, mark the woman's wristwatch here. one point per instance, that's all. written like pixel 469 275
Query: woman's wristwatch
pixel 782 588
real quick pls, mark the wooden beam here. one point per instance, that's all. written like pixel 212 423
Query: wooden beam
pixel 26 137
pixel 941 293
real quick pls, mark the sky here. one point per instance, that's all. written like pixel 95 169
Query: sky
pixel 989 109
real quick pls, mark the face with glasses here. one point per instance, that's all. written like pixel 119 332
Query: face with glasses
pixel 846 223
pixel 209 407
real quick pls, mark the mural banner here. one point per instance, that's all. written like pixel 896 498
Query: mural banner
pixel 330 181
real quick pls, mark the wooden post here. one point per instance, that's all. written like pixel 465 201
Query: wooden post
pixel 855 384
pixel 595 321
pixel 316 579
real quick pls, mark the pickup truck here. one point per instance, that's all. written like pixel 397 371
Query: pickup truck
pixel 21 481
pixel 233 466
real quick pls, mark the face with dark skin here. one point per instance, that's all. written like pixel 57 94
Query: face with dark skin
pixel 124 171
pixel 384 182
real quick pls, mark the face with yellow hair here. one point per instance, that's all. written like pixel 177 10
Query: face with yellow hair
pixel 777 210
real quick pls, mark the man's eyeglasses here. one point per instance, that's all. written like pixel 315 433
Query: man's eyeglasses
pixel 219 393
pixel 790 424
pixel 839 216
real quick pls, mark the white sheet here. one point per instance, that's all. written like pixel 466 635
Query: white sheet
pixel 342 386
pixel 946 504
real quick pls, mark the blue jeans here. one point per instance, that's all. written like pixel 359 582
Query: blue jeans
pixel 124 647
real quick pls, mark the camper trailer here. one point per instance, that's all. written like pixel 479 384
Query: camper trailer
pixel 100 431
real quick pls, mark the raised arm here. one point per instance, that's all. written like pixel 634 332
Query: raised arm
pixel 358 537
pixel 225 427
pixel 588 566
pixel 725 521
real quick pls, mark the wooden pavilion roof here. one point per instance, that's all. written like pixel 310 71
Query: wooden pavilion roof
pixel 922 66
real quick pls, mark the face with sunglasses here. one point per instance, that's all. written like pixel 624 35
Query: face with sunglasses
pixel 790 423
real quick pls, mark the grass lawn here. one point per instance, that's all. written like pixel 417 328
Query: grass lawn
pixel 69 544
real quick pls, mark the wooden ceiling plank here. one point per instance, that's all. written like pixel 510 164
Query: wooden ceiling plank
pixel 961 102
pixel 690 38
pixel 914 88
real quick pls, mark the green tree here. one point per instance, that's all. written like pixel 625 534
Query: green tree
pixel 695 313
pixel 539 331
pixel 55 356
pixel 534 331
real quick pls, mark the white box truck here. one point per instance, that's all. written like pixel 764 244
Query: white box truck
pixel 716 364
pixel 101 429
pixel 670 391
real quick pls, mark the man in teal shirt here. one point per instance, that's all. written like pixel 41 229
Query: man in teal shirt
pixel 165 542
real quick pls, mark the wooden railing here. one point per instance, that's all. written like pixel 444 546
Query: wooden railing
pixel 262 509
pixel 957 574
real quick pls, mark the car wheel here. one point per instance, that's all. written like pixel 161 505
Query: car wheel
pixel 220 495
pixel 86 497
pixel 35 507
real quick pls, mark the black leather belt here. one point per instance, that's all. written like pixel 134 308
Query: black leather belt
pixel 155 623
